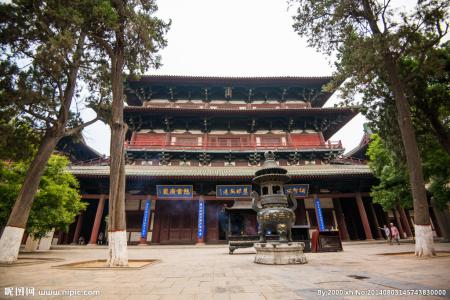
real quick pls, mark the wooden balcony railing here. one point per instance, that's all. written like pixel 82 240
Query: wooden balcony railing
pixel 159 146
pixel 230 146
pixel 231 106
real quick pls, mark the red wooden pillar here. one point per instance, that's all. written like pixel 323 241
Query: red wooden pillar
pixel 399 223
pixel 76 235
pixel 374 215
pixel 60 237
pixel 98 220
pixel 405 222
pixel 343 232
pixel 66 238
pixel 410 221
pixel 363 215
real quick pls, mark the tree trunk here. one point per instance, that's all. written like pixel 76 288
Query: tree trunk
pixel 12 235
pixel 117 254
pixel 424 239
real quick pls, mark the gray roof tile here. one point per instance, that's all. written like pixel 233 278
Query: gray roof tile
pixel 231 171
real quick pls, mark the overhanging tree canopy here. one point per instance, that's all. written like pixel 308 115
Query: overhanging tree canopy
pixel 44 53
pixel 370 40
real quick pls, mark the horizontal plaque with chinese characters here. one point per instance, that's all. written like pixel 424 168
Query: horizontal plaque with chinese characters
pixel 233 191
pixel 174 191
pixel 300 190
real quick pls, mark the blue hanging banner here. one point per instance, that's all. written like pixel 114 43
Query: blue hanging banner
pixel 300 190
pixel 145 219
pixel 319 214
pixel 201 219
pixel 174 191
pixel 233 191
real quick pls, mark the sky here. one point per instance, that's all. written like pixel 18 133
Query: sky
pixel 234 38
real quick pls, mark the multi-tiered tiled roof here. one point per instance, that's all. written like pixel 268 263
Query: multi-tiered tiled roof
pixel 219 127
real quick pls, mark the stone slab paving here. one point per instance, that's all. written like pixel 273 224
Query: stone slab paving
pixel 209 272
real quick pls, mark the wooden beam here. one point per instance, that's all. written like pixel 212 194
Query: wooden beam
pixel 335 195
pixel 94 196
pixel 131 197
pixel 106 196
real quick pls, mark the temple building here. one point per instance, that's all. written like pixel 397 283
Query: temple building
pixel 193 146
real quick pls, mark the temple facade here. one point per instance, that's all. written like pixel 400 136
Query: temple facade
pixel 193 146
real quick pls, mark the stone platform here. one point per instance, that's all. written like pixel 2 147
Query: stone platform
pixel 188 272
pixel 274 253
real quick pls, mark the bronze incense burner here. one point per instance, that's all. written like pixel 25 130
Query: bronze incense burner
pixel 275 209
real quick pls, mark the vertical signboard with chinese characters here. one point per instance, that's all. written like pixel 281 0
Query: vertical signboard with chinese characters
pixel 319 214
pixel 201 220
pixel 145 219
pixel 233 191
pixel 174 191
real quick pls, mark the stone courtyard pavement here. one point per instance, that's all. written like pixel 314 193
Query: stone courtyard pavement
pixel 209 272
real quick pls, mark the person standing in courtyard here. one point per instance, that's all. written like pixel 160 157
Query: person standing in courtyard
pixel 387 233
pixel 100 239
pixel 395 234
pixel 81 240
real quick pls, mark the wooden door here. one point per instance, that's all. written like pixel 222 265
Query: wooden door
pixel 250 224
pixel 177 222
pixel 182 222
pixel 212 221
pixel 162 214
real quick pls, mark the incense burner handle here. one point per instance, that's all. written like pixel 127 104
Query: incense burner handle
pixel 255 200
pixel 292 201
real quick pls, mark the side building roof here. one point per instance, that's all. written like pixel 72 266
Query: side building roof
pixel 359 152
pixel 77 149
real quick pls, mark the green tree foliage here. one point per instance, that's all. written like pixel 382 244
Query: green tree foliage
pixel 44 54
pixel 18 140
pixel 57 202
pixel 393 188
pixel 389 167
pixel 436 166
pixel 428 86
